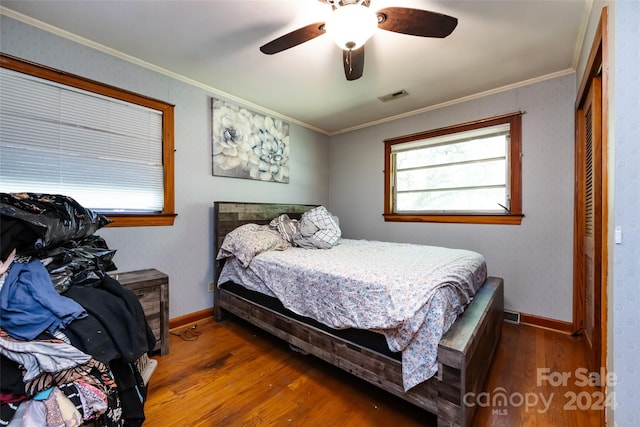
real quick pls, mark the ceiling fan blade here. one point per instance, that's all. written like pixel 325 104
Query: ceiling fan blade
pixel 416 22
pixel 353 61
pixel 294 38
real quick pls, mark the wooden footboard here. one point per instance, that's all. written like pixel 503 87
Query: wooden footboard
pixel 464 354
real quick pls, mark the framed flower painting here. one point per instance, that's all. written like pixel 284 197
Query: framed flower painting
pixel 249 145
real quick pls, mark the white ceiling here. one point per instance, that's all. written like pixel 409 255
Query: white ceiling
pixel 497 44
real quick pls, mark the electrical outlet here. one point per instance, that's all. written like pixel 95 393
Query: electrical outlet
pixel 212 286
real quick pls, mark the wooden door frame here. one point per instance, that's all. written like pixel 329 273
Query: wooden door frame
pixel 597 65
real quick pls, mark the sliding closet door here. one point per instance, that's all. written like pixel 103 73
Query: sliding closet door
pixel 589 239
pixel 591 206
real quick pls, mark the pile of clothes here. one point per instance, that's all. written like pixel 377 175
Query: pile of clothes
pixel 70 334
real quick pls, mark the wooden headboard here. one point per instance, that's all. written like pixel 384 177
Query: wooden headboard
pixel 228 216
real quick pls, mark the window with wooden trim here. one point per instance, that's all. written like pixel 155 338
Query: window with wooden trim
pixel 467 173
pixel 109 149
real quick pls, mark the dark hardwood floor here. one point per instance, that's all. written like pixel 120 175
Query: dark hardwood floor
pixel 233 374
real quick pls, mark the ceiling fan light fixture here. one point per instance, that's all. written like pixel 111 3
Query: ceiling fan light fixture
pixel 351 25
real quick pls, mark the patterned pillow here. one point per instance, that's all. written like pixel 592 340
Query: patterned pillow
pixel 249 240
pixel 329 232
pixel 286 226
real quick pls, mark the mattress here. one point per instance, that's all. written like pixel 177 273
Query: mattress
pixel 409 293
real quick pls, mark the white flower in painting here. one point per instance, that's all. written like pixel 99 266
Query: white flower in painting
pixel 231 136
pixel 269 160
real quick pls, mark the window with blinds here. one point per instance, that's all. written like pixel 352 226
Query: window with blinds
pixel 107 152
pixel 461 172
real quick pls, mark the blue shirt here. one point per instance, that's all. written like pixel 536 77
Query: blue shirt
pixel 30 305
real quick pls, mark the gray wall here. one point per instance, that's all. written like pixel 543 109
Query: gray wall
pixel 624 260
pixel 623 283
pixel 534 258
pixel 185 250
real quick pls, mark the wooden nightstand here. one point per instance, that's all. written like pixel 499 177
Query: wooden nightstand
pixel 152 289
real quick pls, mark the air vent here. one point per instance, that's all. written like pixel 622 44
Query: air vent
pixel 512 317
pixel 394 95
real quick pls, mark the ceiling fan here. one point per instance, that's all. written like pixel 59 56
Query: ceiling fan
pixel 352 23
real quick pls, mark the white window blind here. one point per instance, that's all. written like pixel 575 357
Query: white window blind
pixel 103 152
pixel 458 172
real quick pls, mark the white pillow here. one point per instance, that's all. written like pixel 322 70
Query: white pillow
pixel 249 240
pixel 328 230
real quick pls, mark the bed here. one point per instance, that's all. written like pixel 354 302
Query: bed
pixel 464 353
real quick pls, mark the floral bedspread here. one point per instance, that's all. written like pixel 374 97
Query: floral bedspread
pixel 410 293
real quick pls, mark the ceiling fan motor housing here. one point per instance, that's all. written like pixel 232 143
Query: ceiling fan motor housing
pixel 351 25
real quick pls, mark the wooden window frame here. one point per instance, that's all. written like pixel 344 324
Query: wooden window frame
pixel 167 216
pixel 513 217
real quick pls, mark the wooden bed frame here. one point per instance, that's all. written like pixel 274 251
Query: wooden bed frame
pixel 464 353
